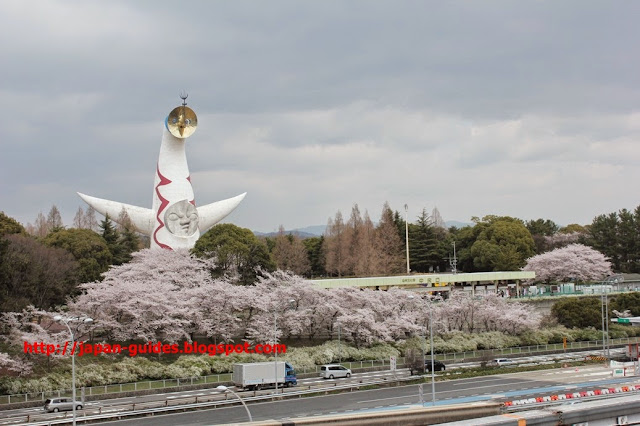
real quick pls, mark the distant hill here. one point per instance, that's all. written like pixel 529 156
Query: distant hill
pixel 457 224
pixel 300 234
pixel 318 230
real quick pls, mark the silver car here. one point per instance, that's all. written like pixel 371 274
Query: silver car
pixel 60 404
pixel 333 371
pixel 500 362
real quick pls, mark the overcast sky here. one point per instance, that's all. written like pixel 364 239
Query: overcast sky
pixel 522 108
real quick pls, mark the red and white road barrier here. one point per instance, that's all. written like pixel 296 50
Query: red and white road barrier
pixel 573 395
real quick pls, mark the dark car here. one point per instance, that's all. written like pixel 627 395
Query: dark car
pixel 437 365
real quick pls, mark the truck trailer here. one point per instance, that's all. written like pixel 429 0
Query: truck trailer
pixel 258 375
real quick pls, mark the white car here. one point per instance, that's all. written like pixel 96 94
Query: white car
pixel 333 371
pixel 60 404
pixel 499 362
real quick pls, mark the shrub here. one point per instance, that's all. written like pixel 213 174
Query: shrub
pixel 495 340
pixel 456 341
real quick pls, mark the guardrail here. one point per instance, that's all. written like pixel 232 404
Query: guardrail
pixel 353 365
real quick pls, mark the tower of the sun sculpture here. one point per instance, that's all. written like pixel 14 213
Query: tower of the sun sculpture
pixel 173 221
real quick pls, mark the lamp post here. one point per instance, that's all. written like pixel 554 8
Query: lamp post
pixel 275 341
pixel 225 389
pixel 424 343
pixel 66 321
pixel 406 234
pixel 454 262
pixel 613 279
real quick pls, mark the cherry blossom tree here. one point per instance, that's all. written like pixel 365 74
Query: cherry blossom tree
pixel 464 312
pixel 149 298
pixel 562 239
pixel 19 366
pixel 575 261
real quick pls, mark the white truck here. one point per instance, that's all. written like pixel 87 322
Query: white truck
pixel 258 375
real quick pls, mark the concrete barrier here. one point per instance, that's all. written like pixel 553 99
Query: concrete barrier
pixel 401 417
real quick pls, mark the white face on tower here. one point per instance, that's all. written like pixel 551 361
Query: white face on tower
pixel 181 219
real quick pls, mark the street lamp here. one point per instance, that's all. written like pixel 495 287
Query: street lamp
pixel 406 234
pixel 225 389
pixel 66 321
pixel 613 279
pixel 275 341
pixel 424 342
pixel 454 262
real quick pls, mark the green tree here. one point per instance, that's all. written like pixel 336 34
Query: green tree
pixel 315 252
pixel 603 236
pixel 88 248
pixel 8 225
pixel 111 236
pixel 128 239
pixel 626 301
pixel 542 227
pixel 628 241
pixel 580 312
pixel 34 274
pixel 539 229
pixel 465 237
pixel 503 244
pixel 617 236
pixel 423 245
pixel 236 250
pixel 573 227
pixel 399 222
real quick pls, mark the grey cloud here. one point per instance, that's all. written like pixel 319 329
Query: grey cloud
pixel 311 106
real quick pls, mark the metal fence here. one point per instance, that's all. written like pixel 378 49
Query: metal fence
pixel 353 365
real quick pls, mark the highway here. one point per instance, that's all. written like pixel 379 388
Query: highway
pixel 497 387
pixel 502 387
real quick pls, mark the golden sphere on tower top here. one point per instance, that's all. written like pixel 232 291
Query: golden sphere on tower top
pixel 182 122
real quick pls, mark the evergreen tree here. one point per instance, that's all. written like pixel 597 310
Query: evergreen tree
pixel 9 225
pixel 315 252
pixel 399 222
pixel 603 236
pixel 128 240
pixel 423 253
pixel 112 237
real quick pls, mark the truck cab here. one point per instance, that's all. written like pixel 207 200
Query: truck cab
pixel 289 375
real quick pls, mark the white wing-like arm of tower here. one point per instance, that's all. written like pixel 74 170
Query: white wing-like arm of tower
pixel 141 218
pixel 210 214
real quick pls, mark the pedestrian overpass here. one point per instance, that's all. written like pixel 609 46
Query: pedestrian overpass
pixel 509 281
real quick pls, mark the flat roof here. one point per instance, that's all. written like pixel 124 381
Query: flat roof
pixel 425 280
